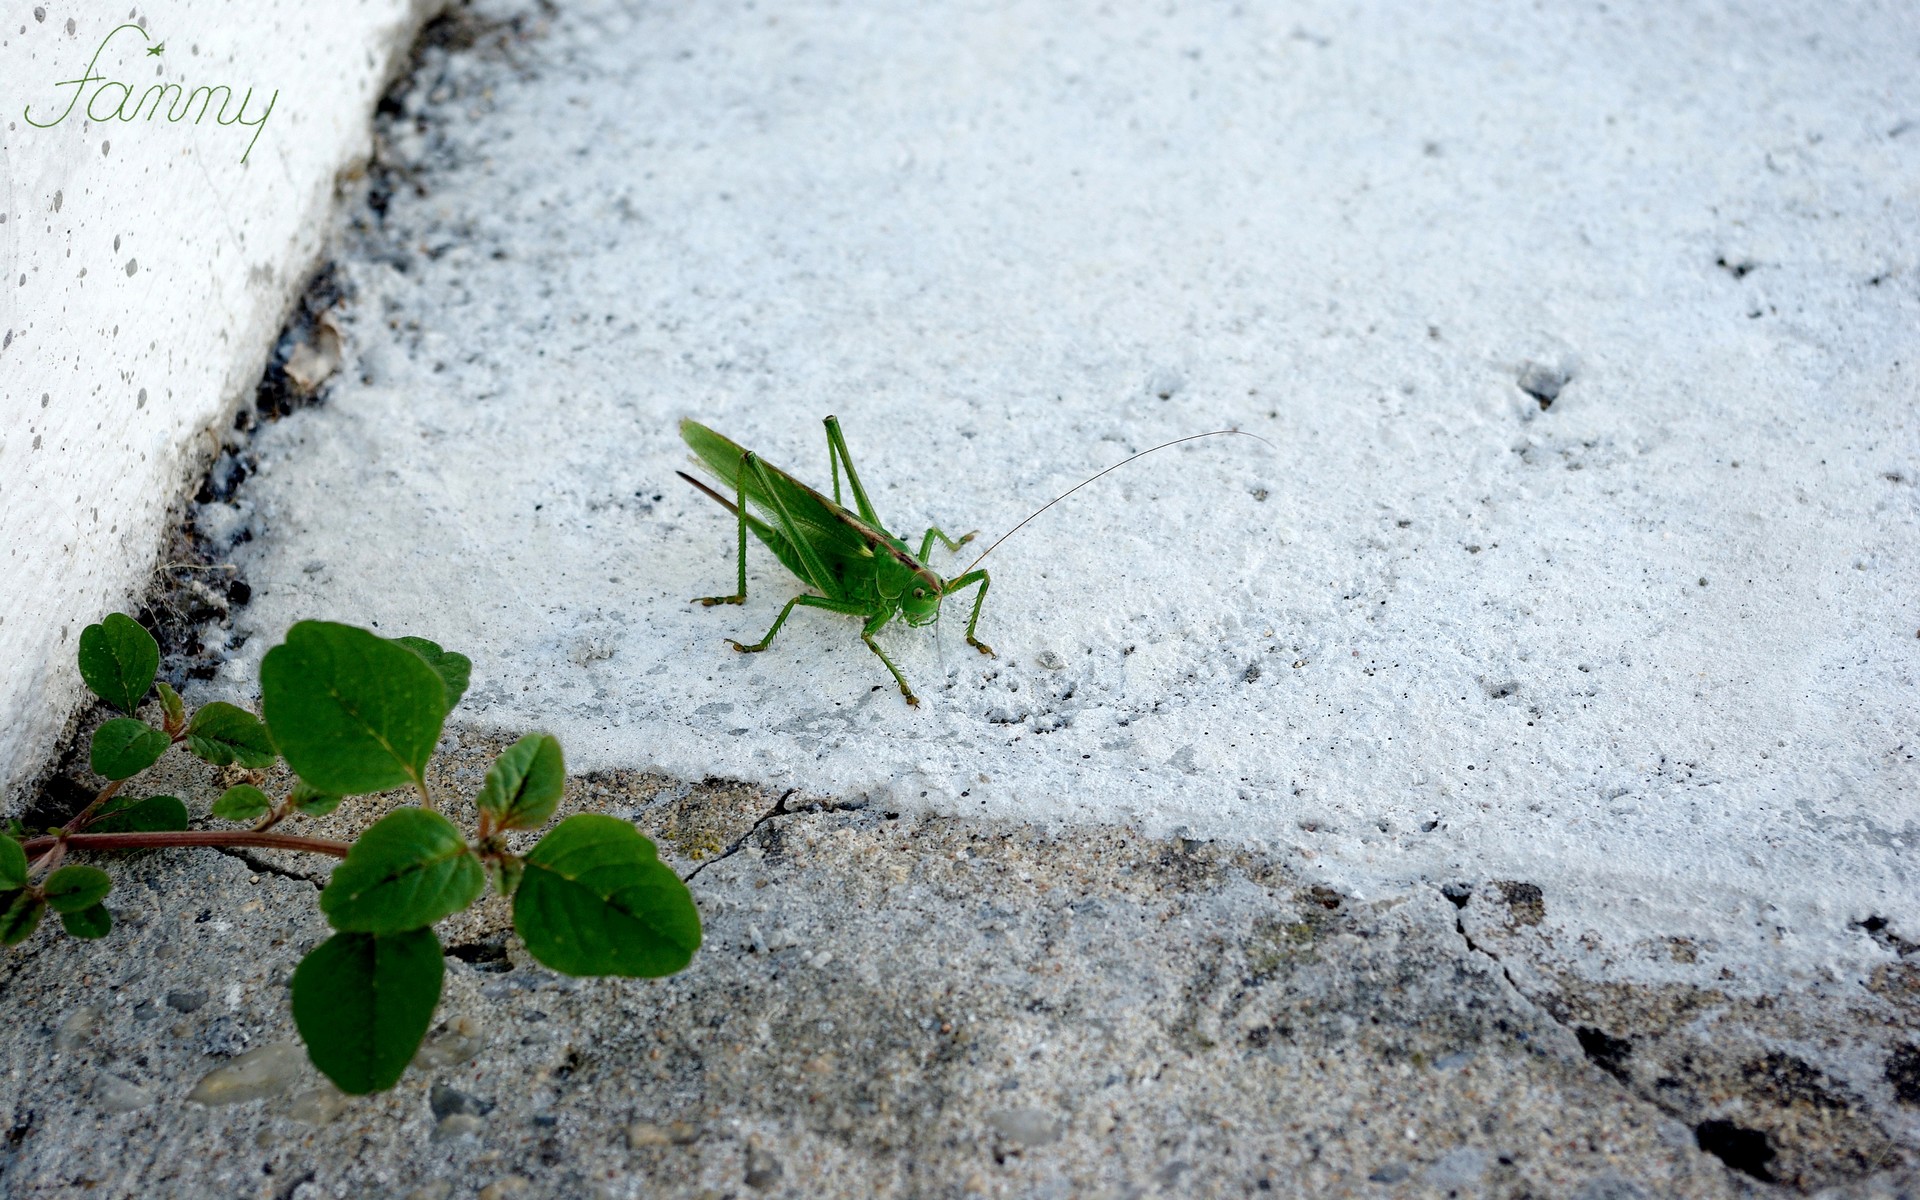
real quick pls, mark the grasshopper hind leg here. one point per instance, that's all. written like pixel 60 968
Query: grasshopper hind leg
pixel 803 600
pixel 740 551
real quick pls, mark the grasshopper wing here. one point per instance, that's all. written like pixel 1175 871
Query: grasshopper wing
pixel 827 543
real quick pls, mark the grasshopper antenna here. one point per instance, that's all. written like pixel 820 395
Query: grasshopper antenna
pixel 1192 437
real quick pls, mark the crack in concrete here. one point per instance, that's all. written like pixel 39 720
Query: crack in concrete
pixel 262 867
pixel 779 809
pixel 1624 1083
pixel 1744 1152
pixel 1460 927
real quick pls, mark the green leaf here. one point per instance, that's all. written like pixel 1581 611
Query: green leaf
pixel 363 1002
pixel 223 733
pixel 118 660
pixel 454 669
pixel 351 711
pixel 71 889
pixel 124 747
pixel 242 802
pixel 524 783
pixel 310 801
pixel 155 814
pixel 13 865
pixel 20 913
pixel 170 703
pixel 408 871
pixel 596 900
pixel 95 922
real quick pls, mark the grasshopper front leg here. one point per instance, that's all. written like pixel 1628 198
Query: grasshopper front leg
pixel 979 598
pixel 934 531
pixel 872 627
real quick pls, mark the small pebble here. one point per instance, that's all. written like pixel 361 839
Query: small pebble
pixel 446 1102
pixel 642 1134
pixel 269 1071
pixel 438 1189
pixel 683 1133
pixel 457 1126
pixel 75 1030
pixel 1543 383
pixel 319 1106
pixel 1165 381
pixel 116 1095
pixel 500 1189
pixel 456 1042
pixel 185 1002
pixel 224 1037
pixel 763 1169
pixel 1026 1126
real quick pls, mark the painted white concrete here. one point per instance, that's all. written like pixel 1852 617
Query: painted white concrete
pixel 145 267
pixel 1653 648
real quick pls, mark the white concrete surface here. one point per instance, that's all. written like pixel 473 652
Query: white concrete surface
pixel 1653 648
pixel 147 264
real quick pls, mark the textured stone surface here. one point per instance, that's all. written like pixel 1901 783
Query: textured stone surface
pixel 1583 554
pixel 936 1007
pixel 1534 876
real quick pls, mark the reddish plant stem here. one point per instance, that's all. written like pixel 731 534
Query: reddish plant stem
pixel 44 865
pixel 85 816
pixel 278 814
pixel 191 837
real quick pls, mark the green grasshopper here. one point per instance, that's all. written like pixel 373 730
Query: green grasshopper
pixel 848 557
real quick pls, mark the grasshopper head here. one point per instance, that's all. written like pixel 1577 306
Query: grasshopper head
pixel 920 604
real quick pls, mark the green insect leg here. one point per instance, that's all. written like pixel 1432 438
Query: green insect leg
pixel 836 456
pixel 873 626
pixel 740 510
pixel 934 531
pixel 979 598
pixel 803 600
pixel 815 570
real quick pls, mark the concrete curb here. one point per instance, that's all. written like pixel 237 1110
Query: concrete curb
pixel 148 269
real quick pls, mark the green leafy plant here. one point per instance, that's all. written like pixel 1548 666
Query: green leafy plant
pixel 352 713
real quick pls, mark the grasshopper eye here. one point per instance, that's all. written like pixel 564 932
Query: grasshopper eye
pixel 919 593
